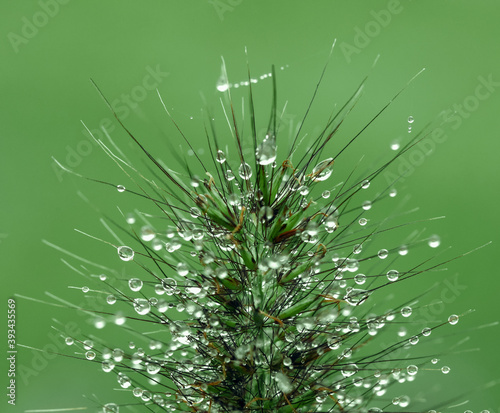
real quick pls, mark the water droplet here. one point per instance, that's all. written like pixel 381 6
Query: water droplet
pixel 85 289
pixel 125 253
pixel 69 341
pixel 266 151
pixel 365 184
pixel 403 250
pixel 304 190
pixel 153 368
pixel 287 361
pixel 195 212
pixel 229 175
pixel 283 382
pixel 120 188
pixel 395 145
pixel 392 275
pixel 110 408
pixel 393 192
pixel 245 171
pixel 147 233
pixel 349 370
pixel 135 284
pixel 367 205
pixel 360 279
pixel 445 369
pixel 142 306
pixel 413 340
pixel 326 194
pixel 90 355
pixel 357 249
pixel 434 361
pixel 406 311
pixel 107 366
pixel 383 254
pixel 124 381
pixel 410 119
pixel 426 332
pixel 356 296
pixel 412 370
pixel 182 269
pixel 434 241
pixel 362 221
pixel 322 171
pixel 88 344
pixel 221 156
pixel 453 319
pixel 118 354
pixel 111 299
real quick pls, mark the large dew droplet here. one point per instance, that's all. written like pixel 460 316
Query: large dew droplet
pixel 322 171
pixel 125 253
pixel 110 408
pixel 266 151
pixel 135 284
pixel 245 171
pixel 221 156
pixel 142 306
pixel 434 241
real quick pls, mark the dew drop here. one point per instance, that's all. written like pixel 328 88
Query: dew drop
pixel 403 250
pixel 365 184
pixel 245 171
pixel 362 221
pixel 326 194
pixel 395 145
pixel 266 151
pixel 69 341
pixel 85 289
pixel 393 192
pixel 153 368
pixel 367 205
pixel 360 279
pixel 322 171
pixel 434 361
pixel 90 355
pixel 142 306
pixel 221 157
pixel 182 269
pixel 147 233
pixel 125 253
pixel 411 119
pixel 110 408
pixel 445 369
pixel 349 370
pixel 229 175
pixel 434 241
pixel 426 332
pixel 413 340
pixel 453 319
pixel 135 284
pixel 382 254
pixel 120 188
pixel 195 212
pixel 392 275
pixel 357 249
pixel 406 311
pixel 107 366
pixel 412 370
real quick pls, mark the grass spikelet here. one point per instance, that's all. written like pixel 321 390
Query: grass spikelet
pixel 262 285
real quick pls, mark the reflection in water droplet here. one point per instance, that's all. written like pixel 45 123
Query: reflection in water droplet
pixel 120 188
pixel 221 156
pixel 245 171
pixel 434 241
pixel 383 254
pixel 266 151
pixel 125 253
pixel 322 171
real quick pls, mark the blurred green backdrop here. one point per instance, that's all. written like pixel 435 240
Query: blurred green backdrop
pixel 50 50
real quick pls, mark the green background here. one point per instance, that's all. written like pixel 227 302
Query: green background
pixel 46 92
